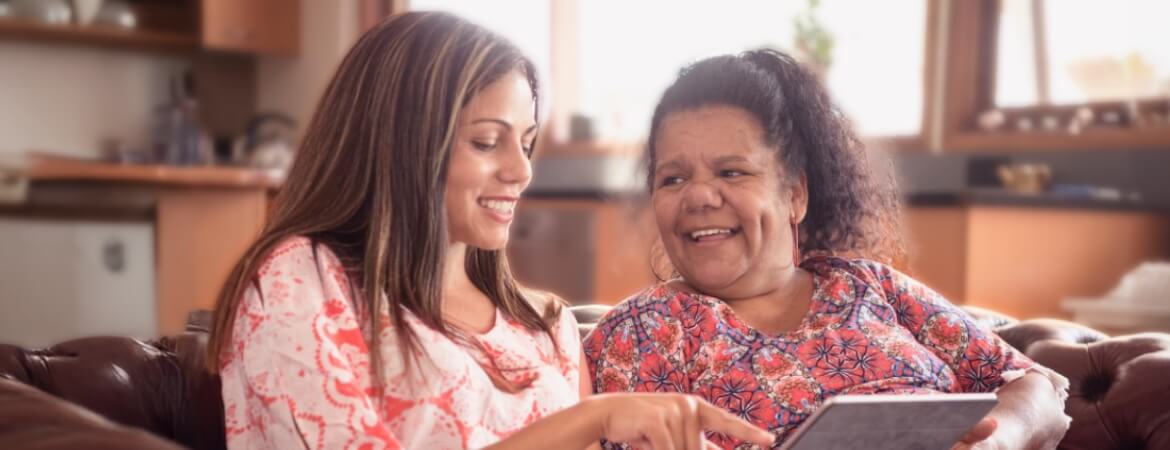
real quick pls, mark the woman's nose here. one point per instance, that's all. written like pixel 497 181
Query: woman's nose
pixel 700 195
pixel 516 168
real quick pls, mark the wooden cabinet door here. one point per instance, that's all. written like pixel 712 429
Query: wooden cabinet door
pixel 252 26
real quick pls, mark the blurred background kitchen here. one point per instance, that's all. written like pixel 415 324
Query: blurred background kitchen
pixel 141 142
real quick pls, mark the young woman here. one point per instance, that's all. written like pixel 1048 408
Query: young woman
pixel 376 309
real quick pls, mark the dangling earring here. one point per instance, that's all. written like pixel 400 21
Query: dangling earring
pixel 795 243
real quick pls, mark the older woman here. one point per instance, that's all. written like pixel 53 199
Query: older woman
pixel 759 188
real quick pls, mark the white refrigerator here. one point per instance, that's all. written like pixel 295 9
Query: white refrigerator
pixel 62 279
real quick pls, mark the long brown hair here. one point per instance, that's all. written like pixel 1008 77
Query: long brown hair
pixel 369 181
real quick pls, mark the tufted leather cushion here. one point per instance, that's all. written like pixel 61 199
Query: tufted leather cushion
pixel 159 386
pixel 31 419
pixel 1119 387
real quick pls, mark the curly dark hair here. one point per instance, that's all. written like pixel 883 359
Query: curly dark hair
pixel 853 206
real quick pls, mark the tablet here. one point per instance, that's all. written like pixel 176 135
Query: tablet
pixel 884 421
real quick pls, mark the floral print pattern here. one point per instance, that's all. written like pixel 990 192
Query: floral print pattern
pixel 296 373
pixel 869 329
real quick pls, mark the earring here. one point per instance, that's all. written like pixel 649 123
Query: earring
pixel 795 243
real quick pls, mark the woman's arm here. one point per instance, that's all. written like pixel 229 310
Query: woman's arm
pixel 586 380
pixel 586 390
pixel 646 420
pixel 657 421
pixel 1030 413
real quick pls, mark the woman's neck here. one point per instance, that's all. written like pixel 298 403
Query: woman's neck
pixel 463 304
pixel 779 309
pixel 455 273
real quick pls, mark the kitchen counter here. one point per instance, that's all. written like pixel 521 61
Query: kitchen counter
pixel 1002 197
pixel 158 175
pixel 204 217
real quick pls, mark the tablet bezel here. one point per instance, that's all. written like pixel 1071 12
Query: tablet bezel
pixel 981 401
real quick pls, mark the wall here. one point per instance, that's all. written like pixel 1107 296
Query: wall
pixel 293 85
pixel 67 99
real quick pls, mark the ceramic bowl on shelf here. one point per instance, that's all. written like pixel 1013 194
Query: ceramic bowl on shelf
pixel 116 13
pixel 54 12
pixel 85 11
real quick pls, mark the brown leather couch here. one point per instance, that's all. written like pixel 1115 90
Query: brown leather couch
pixel 157 386
pixel 1119 398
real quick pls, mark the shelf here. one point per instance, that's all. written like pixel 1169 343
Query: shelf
pixel 1153 138
pixel 98 35
pixel 48 169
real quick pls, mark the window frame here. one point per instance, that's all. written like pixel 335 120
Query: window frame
pixel 969 71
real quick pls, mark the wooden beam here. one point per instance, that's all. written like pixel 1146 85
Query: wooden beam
pixel 1040 52
pixel 969 80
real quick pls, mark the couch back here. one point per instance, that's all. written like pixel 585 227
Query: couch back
pixel 1119 393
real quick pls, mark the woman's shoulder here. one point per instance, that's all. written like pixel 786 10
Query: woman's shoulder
pixel 665 298
pixel 296 253
pixel 865 269
pixel 302 269
pixel 663 306
pixel 294 286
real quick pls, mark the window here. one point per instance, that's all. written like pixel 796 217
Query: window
pixel 524 22
pixel 629 52
pixel 1069 52
pixel 625 53
pixel 1023 75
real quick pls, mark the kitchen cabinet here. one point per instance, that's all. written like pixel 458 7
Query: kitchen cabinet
pixel 1024 261
pixel 251 26
pixel 586 250
pixel 237 26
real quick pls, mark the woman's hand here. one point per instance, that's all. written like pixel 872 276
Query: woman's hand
pixel 979 437
pixel 1029 416
pixel 662 421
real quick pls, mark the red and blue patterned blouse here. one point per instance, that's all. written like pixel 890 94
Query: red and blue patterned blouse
pixel 869 329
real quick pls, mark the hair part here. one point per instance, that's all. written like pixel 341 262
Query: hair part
pixel 853 207
pixel 369 181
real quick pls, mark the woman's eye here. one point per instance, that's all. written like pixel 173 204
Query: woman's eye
pixel 670 181
pixel 484 146
pixel 730 173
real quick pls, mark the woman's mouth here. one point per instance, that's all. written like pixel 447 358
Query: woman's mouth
pixel 712 234
pixel 500 209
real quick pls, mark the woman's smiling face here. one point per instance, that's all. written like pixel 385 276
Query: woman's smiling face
pixel 724 211
pixel 489 165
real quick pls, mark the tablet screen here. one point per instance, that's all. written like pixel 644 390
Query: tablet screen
pixel 883 421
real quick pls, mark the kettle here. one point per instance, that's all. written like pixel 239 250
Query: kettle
pixel 267 143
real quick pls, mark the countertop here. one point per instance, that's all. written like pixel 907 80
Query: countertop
pixel 61 187
pixel 162 175
pixel 1002 197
